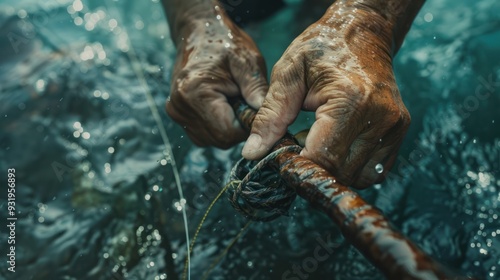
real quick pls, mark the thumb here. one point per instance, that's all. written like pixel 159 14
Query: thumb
pixel 280 108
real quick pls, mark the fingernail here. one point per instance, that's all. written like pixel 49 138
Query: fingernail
pixel 252 146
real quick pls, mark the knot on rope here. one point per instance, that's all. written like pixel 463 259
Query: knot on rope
pixel 257 191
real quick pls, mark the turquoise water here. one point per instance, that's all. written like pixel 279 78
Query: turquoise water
pixel 96 196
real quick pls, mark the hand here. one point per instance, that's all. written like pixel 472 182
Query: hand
pixel 215 60
pixel 341 68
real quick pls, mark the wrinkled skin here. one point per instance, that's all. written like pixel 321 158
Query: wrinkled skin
pixel 341 68
pixel 215 60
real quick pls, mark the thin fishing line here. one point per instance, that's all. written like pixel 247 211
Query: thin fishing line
pixel 136 66
pixel 198 229
pixel 223 253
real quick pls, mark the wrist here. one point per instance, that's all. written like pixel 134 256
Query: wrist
pixel 206 18
pixel 386 20
pixel 358 28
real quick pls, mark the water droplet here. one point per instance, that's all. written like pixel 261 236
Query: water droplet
pixel 112 23
pixel 428 17
pixel 179 206
pixel 78 21
pixel 40 85
pixel 379 168
pixel 22 14
pixel 107 168
pixel 139 24
pixel 77 6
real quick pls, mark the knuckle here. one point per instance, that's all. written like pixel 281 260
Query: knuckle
pixel 393 114
pixel 170 106
pixel 406 117
pixel 286 64
pixel 174 115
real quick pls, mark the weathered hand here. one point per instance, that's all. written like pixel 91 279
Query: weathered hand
pixel 215 60
pixel 341 68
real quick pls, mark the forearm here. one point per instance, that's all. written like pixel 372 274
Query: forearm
pixel 183 14
pixel 389 19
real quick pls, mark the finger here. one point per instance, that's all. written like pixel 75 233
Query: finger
pixel 358 155
pixel 376 168
pixel 368 157
pixel 364 148
pixel 208 121
pixel 330 138
pixel 280 108
pixel 250 76
pixel 196 139
pixel 173 110
pixel 381 159
pixel 226 128
pixel 217 125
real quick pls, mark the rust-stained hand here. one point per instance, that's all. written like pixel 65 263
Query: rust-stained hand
pixel 341 68
pixel 215 60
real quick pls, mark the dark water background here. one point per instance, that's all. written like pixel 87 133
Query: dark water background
pixel 96 197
